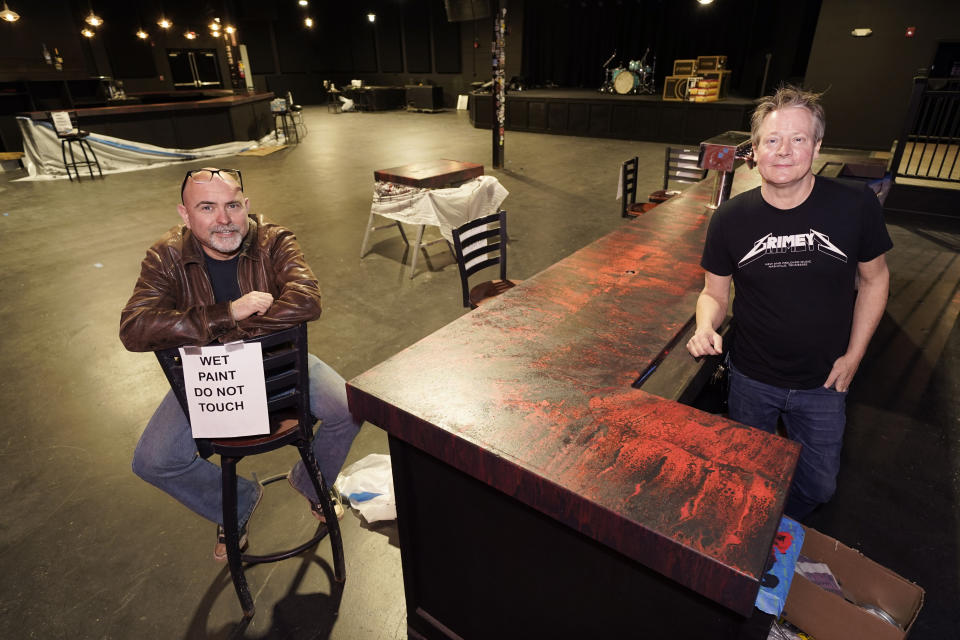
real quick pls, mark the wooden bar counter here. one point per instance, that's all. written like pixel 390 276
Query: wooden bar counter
pixel 539 494
pixel 178 123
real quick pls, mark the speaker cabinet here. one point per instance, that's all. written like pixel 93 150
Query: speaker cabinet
pixel 684 67
pixel 711 63
pixel 675 88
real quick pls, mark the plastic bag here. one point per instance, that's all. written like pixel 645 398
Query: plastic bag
pixel 368 484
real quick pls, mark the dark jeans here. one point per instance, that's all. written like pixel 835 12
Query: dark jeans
pixel 815 418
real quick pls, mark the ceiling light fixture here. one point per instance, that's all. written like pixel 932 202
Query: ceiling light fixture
pixel 372 17
pixel 163 23
pixel 229 29
pixel 7 15
pixel 308 22
pixel 87 32
pixel 303 3
pixel 190 35
pixel 143 35
pixel 705 1
pixel 93 19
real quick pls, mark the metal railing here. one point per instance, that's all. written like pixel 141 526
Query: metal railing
pixel 929 144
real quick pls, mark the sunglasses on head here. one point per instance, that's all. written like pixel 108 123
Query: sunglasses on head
pixel 202 176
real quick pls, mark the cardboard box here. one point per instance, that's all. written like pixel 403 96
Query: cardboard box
pixel 827 616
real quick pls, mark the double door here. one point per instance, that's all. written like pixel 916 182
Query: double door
pixel 194 68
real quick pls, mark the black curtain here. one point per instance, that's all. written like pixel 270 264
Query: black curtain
pixel 565 42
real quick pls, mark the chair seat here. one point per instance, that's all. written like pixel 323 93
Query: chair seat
pixel 283 425
pixel 489 289
pixel 635 209
pixel 661 195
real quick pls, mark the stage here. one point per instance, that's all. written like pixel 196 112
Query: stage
pixel 586 112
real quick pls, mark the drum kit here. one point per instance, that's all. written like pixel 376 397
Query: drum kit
pixel 634 79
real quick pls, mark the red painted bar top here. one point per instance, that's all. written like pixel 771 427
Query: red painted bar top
pixel 531 394
pixel 431 174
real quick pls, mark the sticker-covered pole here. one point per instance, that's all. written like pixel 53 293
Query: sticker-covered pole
pixel 499 90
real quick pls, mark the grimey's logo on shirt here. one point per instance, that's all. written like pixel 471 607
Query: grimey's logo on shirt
pixel 813 241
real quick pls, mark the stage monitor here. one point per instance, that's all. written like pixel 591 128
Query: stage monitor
pixel 463 10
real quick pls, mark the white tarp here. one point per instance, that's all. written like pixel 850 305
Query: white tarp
pixel 443 208
pixel 44 160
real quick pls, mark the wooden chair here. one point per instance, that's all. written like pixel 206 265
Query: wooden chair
pixel 64 124
pixel 479 244
pixel 679 165
pixel 285 368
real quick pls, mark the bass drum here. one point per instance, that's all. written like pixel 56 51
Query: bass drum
pixel 626 82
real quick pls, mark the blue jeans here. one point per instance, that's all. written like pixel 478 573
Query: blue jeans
pixel 815 418
pixel 167 457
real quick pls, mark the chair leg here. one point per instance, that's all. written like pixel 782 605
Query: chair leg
pixel 66 166
pixel 86 159
pixel 326 505
pixel 232 530
pixel 416 250
pixel 95 159
pixel 296 132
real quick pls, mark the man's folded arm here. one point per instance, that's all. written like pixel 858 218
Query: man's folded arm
pixel 299 292
pixel 151 321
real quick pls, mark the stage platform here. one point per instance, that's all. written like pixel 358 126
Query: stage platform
pixel 585 112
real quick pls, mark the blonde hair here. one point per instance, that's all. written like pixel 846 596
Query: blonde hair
pixel 785 97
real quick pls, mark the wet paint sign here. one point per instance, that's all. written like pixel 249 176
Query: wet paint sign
pixel 225 390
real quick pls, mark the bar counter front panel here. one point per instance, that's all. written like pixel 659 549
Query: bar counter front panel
pixel 181 124
pixel 533 480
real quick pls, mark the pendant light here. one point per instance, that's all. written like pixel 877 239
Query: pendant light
pixel 7 15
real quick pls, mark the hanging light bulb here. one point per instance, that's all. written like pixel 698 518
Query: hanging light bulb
pixel 303 3
pixel 93 19
pixel 163 23
pixel 87 32
pixel 143 35
pixel 309 22
pixel 215 25
pixel 372 17
pixel 190 35
pixel 7 15
pixel 229 29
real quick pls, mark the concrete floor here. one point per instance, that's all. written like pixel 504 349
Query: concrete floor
pixel 90 551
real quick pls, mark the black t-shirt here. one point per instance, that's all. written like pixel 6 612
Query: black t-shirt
pixel 794 276
pixel 223 277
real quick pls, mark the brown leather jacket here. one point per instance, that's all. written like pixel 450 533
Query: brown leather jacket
pixel 173 305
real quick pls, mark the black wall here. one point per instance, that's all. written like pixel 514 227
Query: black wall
pixel 868 80
pixel 411 42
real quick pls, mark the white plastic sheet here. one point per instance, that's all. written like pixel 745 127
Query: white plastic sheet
pixel 443 208
pixel 43 159
pixel 368 484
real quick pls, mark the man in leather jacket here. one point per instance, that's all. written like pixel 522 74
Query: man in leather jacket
pixel 226 275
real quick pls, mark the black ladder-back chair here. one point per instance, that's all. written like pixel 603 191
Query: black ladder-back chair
pixel 285 369
pixel 69 135
pixel 679 165
pixel 628 189
pixel 479 244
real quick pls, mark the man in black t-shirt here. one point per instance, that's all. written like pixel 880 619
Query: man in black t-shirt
pixel 806 255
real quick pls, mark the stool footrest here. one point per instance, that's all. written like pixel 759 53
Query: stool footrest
pixel 320 534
